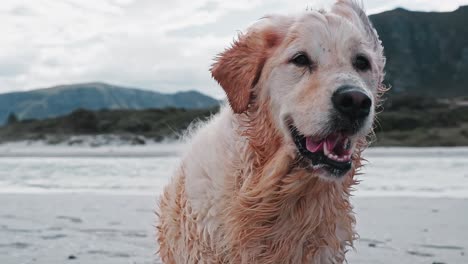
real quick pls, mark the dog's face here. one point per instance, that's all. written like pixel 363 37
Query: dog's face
pixel 320 73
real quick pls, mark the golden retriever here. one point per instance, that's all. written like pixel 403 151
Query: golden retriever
pixel 268 179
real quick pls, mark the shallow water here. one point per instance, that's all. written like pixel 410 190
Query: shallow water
pixel 422 172
pixel 126 175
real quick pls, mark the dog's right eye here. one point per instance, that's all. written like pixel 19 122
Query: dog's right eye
pixel 301 60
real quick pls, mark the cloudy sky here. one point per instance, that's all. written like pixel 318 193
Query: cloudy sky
pixel 159 45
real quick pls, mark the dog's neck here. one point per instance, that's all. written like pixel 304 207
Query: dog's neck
pixel 262 136
pixel 282 213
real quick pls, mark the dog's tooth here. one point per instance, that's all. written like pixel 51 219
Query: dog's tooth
pixel 325 148
pixel 347 143
pixel 330 156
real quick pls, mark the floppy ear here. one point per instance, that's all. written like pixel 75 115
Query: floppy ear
pixel 238 68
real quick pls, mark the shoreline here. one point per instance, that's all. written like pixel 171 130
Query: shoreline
pixel 174 149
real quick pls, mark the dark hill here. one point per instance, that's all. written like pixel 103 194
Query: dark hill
pixel 62 100
pixel 427 52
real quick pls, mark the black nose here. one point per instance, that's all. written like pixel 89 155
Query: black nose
pixel 352 102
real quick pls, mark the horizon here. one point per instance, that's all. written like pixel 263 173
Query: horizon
pixel 66 85
pixel 55 44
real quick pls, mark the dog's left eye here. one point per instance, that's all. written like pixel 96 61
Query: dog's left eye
pixel 361 63
pixel 301 60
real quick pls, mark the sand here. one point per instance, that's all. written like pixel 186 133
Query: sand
pixel 411 230
pixel 97 228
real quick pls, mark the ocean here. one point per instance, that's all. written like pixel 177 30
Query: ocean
pixel 420 172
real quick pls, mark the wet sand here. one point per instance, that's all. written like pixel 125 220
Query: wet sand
pixel 96 228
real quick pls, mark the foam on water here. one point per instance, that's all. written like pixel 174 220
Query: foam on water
pixel 424 172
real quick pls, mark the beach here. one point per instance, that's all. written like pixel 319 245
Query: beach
pixel 62 205
pixel 93 228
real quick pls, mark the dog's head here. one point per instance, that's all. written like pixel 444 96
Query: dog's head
pixel 320 73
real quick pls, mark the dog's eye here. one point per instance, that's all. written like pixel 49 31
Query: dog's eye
pixel 361 63
pixel 301 60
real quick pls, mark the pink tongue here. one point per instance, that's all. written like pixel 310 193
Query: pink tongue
pixel 313 146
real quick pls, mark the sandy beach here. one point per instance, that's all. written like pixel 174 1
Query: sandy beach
pixel 92 228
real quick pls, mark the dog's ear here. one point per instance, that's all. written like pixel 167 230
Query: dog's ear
pixel 238 68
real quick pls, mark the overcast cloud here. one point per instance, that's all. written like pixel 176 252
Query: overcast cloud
pixel 165 46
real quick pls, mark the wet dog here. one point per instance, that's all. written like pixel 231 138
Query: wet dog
pixel 268 179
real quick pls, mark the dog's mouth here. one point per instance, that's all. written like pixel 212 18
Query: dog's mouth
pixel 332 152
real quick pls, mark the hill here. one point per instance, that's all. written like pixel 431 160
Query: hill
pixel 62 100
pixel 427 52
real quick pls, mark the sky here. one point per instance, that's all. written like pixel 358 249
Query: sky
pixel 165 46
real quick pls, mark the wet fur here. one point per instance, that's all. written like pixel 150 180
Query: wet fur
pixel 241 194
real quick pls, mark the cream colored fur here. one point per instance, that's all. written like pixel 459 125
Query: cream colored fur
pixel 240 194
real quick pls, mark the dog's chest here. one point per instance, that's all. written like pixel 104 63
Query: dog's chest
pixel 322 245
pixel 310 236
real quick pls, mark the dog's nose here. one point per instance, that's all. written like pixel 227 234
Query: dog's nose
pixel 352 102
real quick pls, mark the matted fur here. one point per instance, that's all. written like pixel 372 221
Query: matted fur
pixel 241 194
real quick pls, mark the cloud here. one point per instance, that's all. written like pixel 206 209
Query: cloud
pixel 160 45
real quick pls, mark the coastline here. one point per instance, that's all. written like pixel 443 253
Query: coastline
pixel 175 148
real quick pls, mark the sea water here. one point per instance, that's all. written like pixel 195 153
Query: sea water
pixel 421 172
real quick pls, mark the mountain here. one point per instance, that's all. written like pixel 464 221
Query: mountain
pixel 427 52
pixel 62 100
